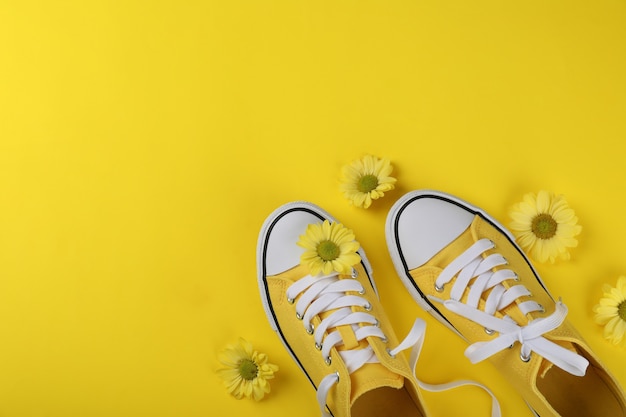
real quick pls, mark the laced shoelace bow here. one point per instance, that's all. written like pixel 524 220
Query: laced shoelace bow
pixel 472 265
pixel 328 293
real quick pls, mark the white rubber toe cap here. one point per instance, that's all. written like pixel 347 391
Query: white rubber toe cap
pixel 282 252
pixel 426 225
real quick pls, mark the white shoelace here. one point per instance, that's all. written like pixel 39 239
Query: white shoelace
pixel 471 264
pixel 319 294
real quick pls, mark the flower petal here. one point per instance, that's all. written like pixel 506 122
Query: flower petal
pixel 543 201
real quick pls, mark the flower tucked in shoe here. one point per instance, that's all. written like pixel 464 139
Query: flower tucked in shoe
pixel 366 179
pixel 611 312
pixel 329 247
pixel 545 226
pixel 247 371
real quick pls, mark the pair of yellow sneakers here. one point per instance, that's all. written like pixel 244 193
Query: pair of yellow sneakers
pixel 461 266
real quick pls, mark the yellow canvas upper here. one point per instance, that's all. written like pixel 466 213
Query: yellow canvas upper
pixel 391 372
pixel 538 381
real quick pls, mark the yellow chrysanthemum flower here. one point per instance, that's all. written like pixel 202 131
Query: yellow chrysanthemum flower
pixel 247 371
pixel 545 226
pixel 611 312
pixel 329 247
pixel 366 179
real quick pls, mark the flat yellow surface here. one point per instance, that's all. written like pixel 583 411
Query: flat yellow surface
pixel 143 143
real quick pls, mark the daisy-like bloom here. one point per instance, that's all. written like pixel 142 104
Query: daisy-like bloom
pixel 366 179
pixel 545 226
pixel 611 312
pixel 247 371
pixel 329 247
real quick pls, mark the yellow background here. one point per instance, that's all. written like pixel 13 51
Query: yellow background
pixel 143 143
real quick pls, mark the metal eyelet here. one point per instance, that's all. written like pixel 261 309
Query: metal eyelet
pixel 542 308
pixel 367 307
pixel 328 360
pixel 376 323
pixel 354 273
pixel 318 346
pixel 489 331
pixel 493 244
pixel 298 316
pixel 438 288
pixel 290 300
pixel 384 339
pixel 310 329
pixel 516 277
pixel 525 358
pixel 362 291
pixel 390 354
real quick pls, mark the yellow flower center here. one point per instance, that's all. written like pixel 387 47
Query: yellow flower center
pixel 328 250
pixel 248 369
pixel 367 183
pixel 544 226
pixel 621 310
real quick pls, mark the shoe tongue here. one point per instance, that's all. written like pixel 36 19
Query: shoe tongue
pixel 371 376
pixel 349 339
pixel 546 365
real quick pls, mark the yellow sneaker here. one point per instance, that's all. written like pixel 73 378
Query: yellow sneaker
pixel 332 323
pixel 464 268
